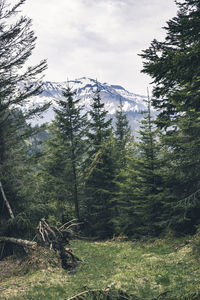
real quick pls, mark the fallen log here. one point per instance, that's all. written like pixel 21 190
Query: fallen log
pixel 21 242
pixel 52 238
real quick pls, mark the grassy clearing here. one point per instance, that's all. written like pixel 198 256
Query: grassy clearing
pixel 145 269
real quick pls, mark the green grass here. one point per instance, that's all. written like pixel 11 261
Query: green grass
pixel 145 269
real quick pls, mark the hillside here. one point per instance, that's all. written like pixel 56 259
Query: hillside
pixel 156 269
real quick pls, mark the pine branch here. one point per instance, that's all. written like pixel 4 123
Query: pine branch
pixel 190 200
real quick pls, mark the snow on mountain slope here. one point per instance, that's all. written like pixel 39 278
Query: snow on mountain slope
pixel 84 87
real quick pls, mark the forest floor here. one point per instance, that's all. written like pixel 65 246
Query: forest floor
pixel 146 269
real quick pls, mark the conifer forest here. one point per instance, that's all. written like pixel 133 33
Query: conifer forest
pixel 81 166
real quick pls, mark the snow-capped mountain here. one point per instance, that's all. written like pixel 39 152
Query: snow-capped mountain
pixel 84 87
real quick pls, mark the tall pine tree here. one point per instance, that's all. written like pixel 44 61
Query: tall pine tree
pixel 174 66
pixel 17 41
pixel 65 150
pixel 100 170
pixel 71 124
pixel 124 157
pixel 150 174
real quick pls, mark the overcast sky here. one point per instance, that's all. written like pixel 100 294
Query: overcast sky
pixel 97 38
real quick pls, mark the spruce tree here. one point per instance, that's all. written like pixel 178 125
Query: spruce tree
pixel 65 151
pixel 123 155
pixel 100 126
pixel 53 179
pixel 99 184
pixel 125 204
pixel 174 66
pixel 122 134
pixel 17 40
pixel 150 174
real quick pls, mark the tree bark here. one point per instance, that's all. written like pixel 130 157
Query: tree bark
pixel 6 202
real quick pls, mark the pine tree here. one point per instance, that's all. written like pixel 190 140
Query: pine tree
pixel 174 66
pixel 17 41
pixel 52 178
pixel 99 171
pixel 100 127
pixel 150 174
pixel 15 86
pixel 125 204
pixel 65 151
pixel 124 155
pixel 122 134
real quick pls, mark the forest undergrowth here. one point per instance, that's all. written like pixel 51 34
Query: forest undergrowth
pixel 165 268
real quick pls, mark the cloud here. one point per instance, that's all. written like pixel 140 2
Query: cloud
pixel 99 38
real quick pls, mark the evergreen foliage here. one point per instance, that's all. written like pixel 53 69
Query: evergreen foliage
pixel 71 124
pixel 123 135
pixel 80 166
pixel 150 174
pixel 100 171
pixel 127 218
pixel 61 169
pixel 174 66
pixel 17 40
pixel 125 175
pixel 100 127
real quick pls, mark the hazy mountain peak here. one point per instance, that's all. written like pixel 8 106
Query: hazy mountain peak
pixel 84 87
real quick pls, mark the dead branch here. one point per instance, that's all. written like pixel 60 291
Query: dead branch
pixel 49 236
pixel 2 249
pixel 108 292
pixel 56 239
pixel 6 202
pixel 68 223
pixel 78 296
